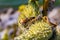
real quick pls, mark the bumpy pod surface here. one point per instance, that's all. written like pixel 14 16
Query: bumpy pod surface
pixel 28 12
pixel 57 32
pixel 38 31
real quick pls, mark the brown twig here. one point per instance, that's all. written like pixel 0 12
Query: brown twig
pixel 45 7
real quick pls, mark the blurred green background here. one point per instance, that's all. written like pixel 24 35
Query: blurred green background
pixel 57 2
pixel 16 3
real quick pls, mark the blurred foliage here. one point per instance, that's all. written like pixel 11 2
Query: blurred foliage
pixel 13 3
pixel 16 3
pixel 57 2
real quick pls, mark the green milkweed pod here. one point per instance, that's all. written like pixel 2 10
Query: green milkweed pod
pixel 40 30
